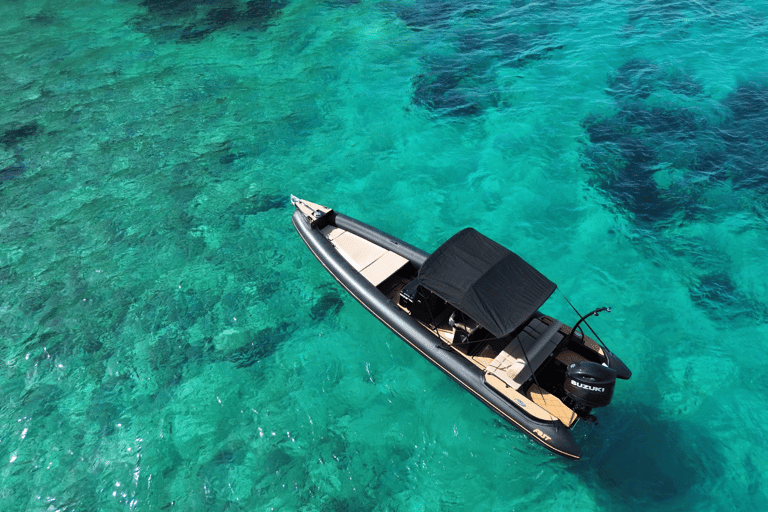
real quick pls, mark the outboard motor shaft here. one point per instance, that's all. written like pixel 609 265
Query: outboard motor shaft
pixel 590 384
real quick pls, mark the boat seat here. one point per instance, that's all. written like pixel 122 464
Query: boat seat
pixel 525 353
pixel 568 357
pixel 462 326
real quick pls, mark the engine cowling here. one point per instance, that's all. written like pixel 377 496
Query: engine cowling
pixel 590 384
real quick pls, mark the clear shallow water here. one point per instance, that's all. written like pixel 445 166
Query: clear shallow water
pixel 170 344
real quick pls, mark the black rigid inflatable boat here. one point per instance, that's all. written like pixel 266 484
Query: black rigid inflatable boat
pixel 472 309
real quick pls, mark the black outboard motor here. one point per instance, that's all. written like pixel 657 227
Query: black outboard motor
pixel 589 384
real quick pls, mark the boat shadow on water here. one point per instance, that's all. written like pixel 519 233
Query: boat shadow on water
pixel 640 457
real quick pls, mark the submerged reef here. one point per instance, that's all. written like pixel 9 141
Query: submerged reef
pixel 744 136
pixel 458 78
pixel 194 20
pixel 328 304
pixel 669 155
pixel 12 171
pixel 722 299
pixel 659 152
pixel 13 136
pixel 261 344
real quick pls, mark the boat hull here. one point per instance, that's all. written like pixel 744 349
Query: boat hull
pixel 552 435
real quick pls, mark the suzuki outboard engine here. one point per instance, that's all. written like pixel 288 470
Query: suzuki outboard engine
pixel 589 384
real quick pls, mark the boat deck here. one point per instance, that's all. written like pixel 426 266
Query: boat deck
pixel 552 404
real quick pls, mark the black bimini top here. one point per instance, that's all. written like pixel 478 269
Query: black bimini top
pixel 486 281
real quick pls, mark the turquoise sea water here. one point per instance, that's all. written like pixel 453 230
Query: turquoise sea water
pixel 168 342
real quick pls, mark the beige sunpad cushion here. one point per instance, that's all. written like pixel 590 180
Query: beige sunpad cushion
pixel 373 262
pixel 331 232
pixel 383 267
pixel 357 251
